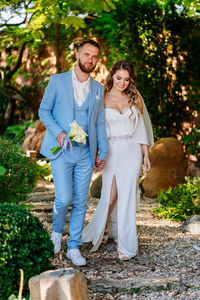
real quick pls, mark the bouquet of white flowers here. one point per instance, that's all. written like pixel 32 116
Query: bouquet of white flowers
pixel 76 134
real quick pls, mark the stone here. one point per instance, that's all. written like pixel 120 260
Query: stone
pixel 192 225
pixel 95 189
pixel 193 169
pixel 196 247
pixel 134 285
pixel 60 284
pixel 168 166
pixel 34 137
pixel 42 207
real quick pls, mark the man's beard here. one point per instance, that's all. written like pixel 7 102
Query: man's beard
pixel 83 69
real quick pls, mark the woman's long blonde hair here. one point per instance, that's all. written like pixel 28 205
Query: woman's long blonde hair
pixel 131 90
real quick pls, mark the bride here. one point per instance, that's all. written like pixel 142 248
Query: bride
pixel 129 135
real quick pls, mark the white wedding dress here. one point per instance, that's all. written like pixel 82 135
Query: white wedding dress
pixel 125 133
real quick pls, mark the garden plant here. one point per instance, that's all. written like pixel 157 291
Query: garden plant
pixel 179 203
pixel 19 176
pixel 25 245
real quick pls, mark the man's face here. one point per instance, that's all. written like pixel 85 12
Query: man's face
pixel 87 58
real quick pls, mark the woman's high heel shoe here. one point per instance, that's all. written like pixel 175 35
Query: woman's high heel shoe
pixel 122 256
pixel 105 236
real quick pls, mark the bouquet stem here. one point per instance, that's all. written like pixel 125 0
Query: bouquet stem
pixel 55 149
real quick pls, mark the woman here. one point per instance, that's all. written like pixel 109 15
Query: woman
pixel 128 141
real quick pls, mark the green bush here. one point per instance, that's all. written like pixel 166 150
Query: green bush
pixel 17 132
pixel 179 203
pixel 24 245
pixel 44 169
pixel 192 142
pixel 20 176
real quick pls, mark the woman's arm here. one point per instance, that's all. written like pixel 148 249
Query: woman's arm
pixel 147 164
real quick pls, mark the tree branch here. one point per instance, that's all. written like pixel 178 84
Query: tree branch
pixel 13 88
pixel 14 70
pixel 5 94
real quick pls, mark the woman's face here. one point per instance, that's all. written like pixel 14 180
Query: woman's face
pixel 121 80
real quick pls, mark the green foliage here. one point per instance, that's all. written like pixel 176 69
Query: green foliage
pixel 192 142
pixel 44 170
pixel 13 297
pixel 3 105
pixel 179 203
pixel 2 170
pixel 20 176
pixel 17 132
pixel 163 44
pixel 24 245
pixel 38 23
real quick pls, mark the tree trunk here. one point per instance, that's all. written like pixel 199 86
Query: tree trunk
pixel 8 117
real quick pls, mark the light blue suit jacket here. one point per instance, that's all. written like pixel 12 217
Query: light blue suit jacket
pixel 57 111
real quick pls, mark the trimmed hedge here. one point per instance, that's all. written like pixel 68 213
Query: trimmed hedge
pixel 25 245
pixel 20 176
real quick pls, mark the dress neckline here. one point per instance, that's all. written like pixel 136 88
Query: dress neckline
pixel 118 111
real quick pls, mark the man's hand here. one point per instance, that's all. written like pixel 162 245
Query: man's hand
pixel 61 139
pixel 99 164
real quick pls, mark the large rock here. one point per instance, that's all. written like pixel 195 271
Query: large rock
pixel 95 189
pixel 34 137
pixel 192 225
pixel 168 166
pixel 61 284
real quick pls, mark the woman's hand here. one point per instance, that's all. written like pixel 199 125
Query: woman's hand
pixel 99 164
pixel 147 164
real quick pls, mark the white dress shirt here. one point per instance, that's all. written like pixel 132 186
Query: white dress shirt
pixel 81 89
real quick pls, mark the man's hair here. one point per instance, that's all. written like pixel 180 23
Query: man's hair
pixel 91 42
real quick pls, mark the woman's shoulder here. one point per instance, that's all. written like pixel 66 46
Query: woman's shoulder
pixel 108 98
pixel 136 110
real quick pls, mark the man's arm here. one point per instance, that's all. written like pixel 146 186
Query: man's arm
pixel 101 134
pixel 46 107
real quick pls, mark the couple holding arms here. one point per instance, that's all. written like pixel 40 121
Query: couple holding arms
pixel 119 133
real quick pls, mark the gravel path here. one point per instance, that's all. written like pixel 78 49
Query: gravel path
pixel 166 267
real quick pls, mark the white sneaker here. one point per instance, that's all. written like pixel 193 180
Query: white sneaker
pixel 76 257
pixel 56 239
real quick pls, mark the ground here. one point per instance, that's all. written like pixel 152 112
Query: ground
pixel 166 267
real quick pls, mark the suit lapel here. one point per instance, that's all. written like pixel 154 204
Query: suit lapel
pixel 69 92
pixel 92 95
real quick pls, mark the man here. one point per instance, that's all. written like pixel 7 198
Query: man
pixel 69 96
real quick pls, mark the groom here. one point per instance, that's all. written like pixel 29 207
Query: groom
pixel 69 96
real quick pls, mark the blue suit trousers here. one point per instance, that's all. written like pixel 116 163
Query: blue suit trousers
pixel 71 174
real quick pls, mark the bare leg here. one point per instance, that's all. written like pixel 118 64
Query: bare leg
pixel 113 200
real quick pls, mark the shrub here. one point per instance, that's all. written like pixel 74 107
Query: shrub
pixel 17 132
pixel 24 245
pixel 192 142
pixel 44 170
pixel 180 202
pixel 20 176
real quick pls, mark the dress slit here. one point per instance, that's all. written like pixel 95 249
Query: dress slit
pixel 109 214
